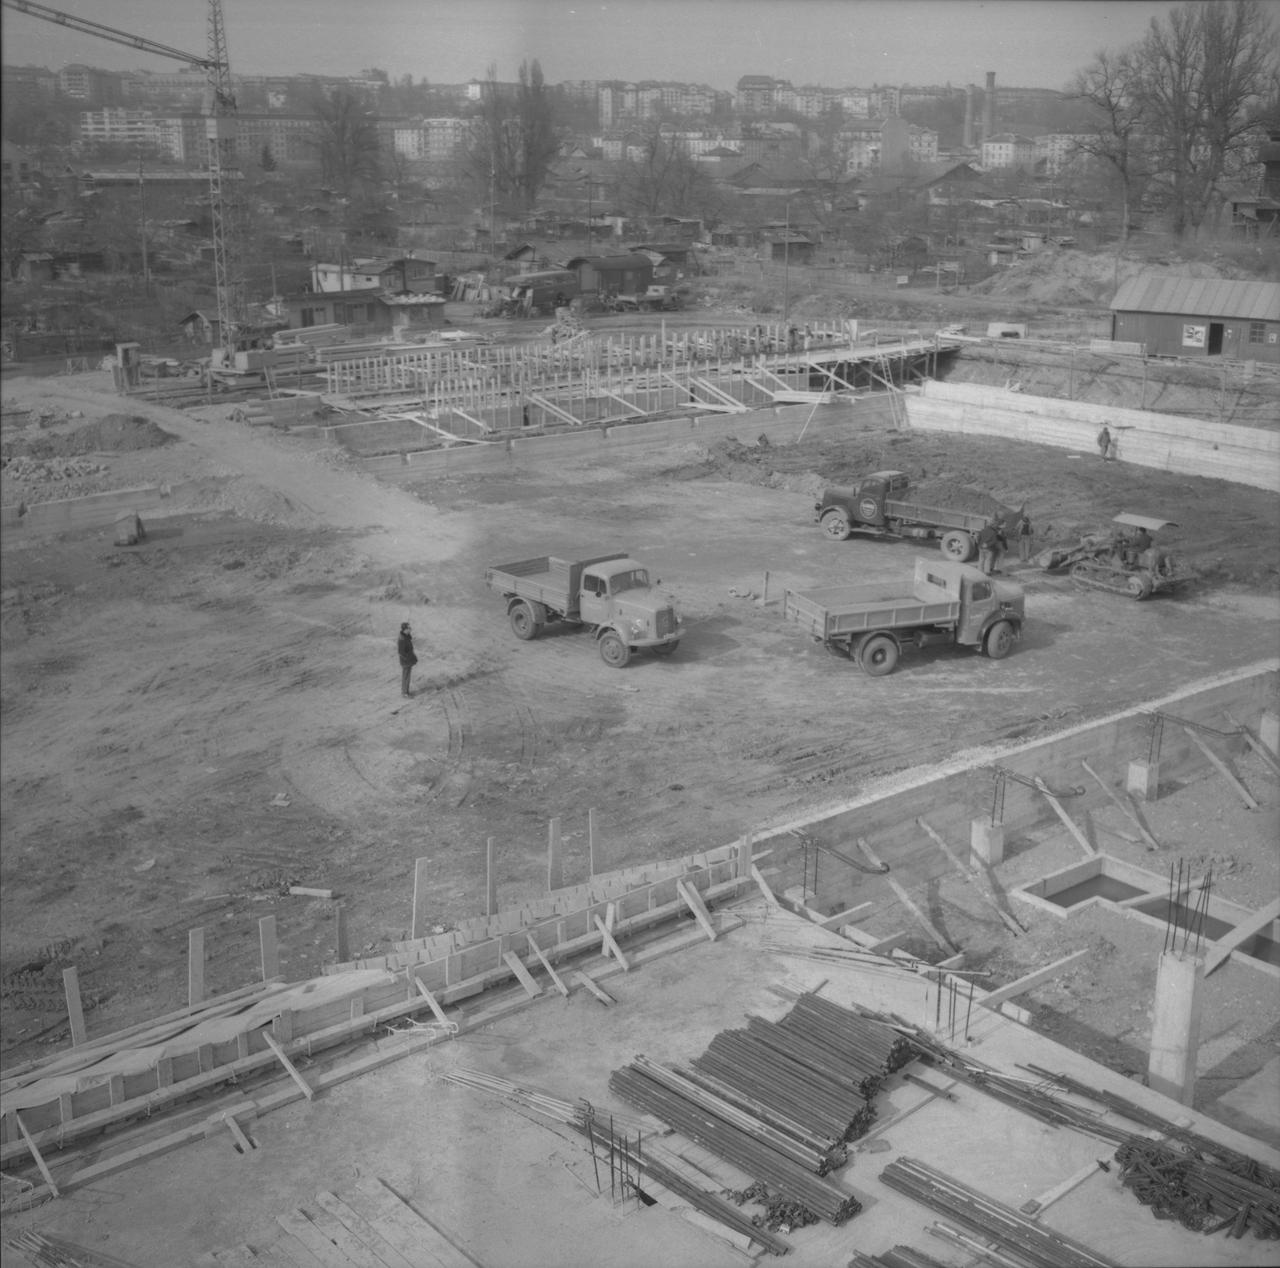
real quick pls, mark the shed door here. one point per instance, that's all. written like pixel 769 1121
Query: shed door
pixel 1215 338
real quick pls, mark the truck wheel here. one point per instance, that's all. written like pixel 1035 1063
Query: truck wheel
pixel 957 545
pixel 665 649
pixel 836 526
pixel 879 655
pixel 999 640
pixel 523 623
pixel 1139 586
pixel 613 651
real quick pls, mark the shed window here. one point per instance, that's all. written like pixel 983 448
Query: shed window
pixel 1257 332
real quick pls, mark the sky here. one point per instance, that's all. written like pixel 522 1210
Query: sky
pixel 836 43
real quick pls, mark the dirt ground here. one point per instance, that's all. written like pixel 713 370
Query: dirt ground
pixel 192 725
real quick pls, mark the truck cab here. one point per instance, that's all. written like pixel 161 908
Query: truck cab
pixel 985 600
pixel 863 502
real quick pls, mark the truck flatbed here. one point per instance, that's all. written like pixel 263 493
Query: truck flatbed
pixel 832 612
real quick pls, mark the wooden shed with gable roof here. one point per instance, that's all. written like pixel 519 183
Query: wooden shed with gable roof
pixel 1174 316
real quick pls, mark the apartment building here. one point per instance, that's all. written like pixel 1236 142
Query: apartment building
pixel 430 140
pixel 755 94
pixel 27 85
pixel 1060 151
pixel 89 84
pixel 1009 150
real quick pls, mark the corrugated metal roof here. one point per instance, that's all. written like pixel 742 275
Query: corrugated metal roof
pixel 1199 297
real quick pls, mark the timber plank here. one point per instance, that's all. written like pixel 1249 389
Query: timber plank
pixel 434 1249
pixel 344 1240
pixel 523 976
pixel 299 1226
pixel 363 1229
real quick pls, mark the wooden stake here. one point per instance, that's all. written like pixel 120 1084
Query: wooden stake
pixel 1032 980
pixel 906 900
pixel 522 974
pixel 1123 806
pixel 340 933
pixel 593 860
pixel 269 950
pixel 1245 795
pixel 972 877
pixel 75 1010
pixel 589 982
pixel 555 862
pixel 693 900
pixel 431 999
pixel 609 946
pixel 290 1068
pixel 418 926
pixel 490 881
pixel 546 964
pixel 195 967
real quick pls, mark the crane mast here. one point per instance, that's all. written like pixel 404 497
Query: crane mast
pixel 220 111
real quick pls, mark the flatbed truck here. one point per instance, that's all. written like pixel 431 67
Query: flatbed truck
pixel 945 603
pixel 611 595
pixel 875 506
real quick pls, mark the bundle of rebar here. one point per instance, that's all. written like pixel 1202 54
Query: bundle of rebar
pixel 1039 1247
pixel 865 1041
pixel 1200 1194
pixel 701 1199
pixel 54 1252
pixel 744 1150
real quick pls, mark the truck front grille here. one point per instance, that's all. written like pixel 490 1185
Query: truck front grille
pixel 665 622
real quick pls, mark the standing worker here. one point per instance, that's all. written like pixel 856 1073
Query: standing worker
pixel 988 547
pixel 408 658
pixel 1104 443
pixel 1023 531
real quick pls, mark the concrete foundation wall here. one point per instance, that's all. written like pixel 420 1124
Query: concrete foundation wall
pixel 96 510
pixel 949 800
pixel 780 423
pixel 1245 455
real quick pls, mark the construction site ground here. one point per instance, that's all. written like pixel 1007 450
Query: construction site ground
pixel 194 724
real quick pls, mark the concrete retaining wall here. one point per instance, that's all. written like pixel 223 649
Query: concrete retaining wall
pixel 1245 455
pixel 96 510
pixel 949 799
pixel 780 423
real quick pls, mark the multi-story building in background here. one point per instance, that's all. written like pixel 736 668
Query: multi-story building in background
pixel 116 125
pixel 1060 151
pixel 1009 150
pixel 27 86
pixel 92 86
pixel 430 140
pixel 755 94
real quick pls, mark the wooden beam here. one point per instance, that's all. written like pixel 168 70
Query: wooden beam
pixel 696 905
pixel 599 992
pixel 1085 844
pixel 1245 795
pixel 770 897
pixel 75 1008
pixel 610 947
pixel 1254 743
pixel 906 900
pixel 512 961
pixel 1031 980
pixel 968 874
pixel 546 964
pixel 195 967
pixel 1218 951
pixel 1123 806
pixel 884 945
pixel 843 917
pixel 290 1069
pixel 1036 1206
pixel 269 948
pixel 434 1004
pixel 237 1134
pixel 593 845
pixel 490 880
pixel 36 1154
pixel 418 926
pixel 555 857
pixel 341 944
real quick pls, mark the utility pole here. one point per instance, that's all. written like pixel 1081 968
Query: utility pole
pixel 786 265
pixel 142 226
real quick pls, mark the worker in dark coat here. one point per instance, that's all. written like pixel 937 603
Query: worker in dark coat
pixel 408 659
pixel 990 541
pixel 1024 534
pixel 1104 444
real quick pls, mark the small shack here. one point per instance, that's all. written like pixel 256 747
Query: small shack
pixel 612 274
pixel 1173 316
pixel 198 327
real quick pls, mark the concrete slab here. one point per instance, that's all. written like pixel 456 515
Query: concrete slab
pixel 1254 1106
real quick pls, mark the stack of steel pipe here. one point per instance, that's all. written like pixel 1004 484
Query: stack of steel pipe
pixel 1012 1231
pixel 809 1095
pixel 866 1042
pixel 699 1121
pixel 898 1257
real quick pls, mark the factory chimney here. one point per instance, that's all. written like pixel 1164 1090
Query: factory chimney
pixel 969 93
pixel 989 107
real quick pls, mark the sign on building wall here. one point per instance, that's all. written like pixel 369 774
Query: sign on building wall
pixel 1194 336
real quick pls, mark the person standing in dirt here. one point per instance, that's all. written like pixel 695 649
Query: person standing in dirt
pixel 1023 532
pixel 988 547
pixel 408 658
pixel 1104 443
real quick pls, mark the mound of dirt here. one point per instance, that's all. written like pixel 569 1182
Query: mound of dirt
pixel 112 433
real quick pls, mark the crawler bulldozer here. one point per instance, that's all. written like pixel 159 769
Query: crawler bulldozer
pixel 1124 560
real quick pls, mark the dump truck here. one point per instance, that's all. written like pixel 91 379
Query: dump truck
pixel 874 505
pixel 1123 560
pixel 947 603
pixel 611 595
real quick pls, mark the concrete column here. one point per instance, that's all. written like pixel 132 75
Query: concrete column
pixel 555 860
pixel 1269 731
pixel 1175 1032
pixel 1144 780
pixel 986 840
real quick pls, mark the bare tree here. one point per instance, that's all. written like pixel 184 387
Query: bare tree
pixel 346 137
pixel 1204 71
pixel 660 177
pixel 1111 87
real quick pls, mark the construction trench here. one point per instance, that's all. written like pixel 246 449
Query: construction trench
pixel 844 910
